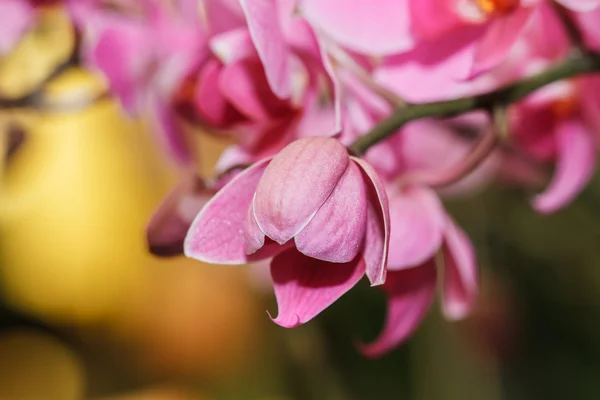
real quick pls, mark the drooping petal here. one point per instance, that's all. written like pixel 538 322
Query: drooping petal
pixel 170 222
pixel 17 16
pixel 337 230
pixel 305 286
pixel 460 274
pixel 170 132
pixel 266 31
pixel 410 293
pixel 377 233
pixel 296 183
pixel 499 38
pixel 217 233
pixel 375 27
pixel 574 168
pixel 417 222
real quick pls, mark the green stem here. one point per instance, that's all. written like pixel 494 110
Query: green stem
pixel 577 64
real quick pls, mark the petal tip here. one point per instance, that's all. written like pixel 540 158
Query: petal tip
pixel 285 323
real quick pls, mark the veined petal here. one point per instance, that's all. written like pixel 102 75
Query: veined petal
pixel 499 38
pixel 305 286
pixel 217 234
pixel 377 27
pixel 460 273
pixel 267 34
pixel 336 232
pixel 410 293
pixel 296 183
pixel 574 168
pixel 377 233
pixel 417 223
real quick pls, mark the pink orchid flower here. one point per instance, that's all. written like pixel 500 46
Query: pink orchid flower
pixel 463 37
pixel 270 80
pixel 321 214
pixel 561 123
pixel 420 227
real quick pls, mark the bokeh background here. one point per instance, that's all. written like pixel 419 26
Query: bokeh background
pixel 87 313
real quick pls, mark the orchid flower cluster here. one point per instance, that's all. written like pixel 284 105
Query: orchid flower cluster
pixel 348 118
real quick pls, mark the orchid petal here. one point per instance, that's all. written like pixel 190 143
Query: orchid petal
pixel 460 273
pixel 580 5
pixel 376 27
pixel 410 294
pixel 377 233
pixel 336 232
pixel 244 85
pixel 574 169
pixel 417 217
pixel 305 286
pixel 499 38
pixel 296 183
pixel 170 132
pixel 266 31
pixel 217 233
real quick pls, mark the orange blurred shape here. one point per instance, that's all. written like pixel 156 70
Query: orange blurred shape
pixel 196 319
pixel 34 366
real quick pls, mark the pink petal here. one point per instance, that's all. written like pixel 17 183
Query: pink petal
pixel 410 294
pixel 417 222
pixel 209 102
pixel 120 54
pixel 375 27
pixel 217 234
pixel 580 5
pixel 590 27
pixel 432 70
pixel 499 38
pixel 255 238
pixel 296 183
pixel 266 31
pixel 232 46
pixel 169 224
pixel 431 19
pixel 575 166
pixel 170 132
pixel 460 273
pixel 377 234
pixel 336 232
pixel 244 85
pixel 306 286
pixel 223 15
pixel 17 16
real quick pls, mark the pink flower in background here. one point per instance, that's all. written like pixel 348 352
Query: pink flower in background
pixel 322 214
pixel 145 50
pixel 17 16
pixel 449 38
pixel 561 123
pixel 420 227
